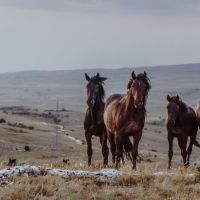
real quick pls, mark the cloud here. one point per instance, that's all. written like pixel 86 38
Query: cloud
pixel 168 7
pixel 34 4
pixel 95 33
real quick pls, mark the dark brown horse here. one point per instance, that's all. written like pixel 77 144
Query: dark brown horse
pixel 124 116
pixel 93 123
pixel 181 123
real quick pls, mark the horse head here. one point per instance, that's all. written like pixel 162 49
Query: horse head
pixel 173 108
pixel 95 90
pixel 138 87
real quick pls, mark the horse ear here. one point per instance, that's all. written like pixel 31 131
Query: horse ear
pixel 169 98
pixel 177 97
pixel 145 74
pixel 103 79
pixel 99 78
pixel 87 77
pixel 133 75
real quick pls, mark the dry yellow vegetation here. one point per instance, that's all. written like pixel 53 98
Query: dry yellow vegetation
pixel 184 184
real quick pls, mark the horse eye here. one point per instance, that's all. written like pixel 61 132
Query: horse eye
pixel 97 88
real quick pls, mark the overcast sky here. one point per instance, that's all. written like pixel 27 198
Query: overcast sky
pixel 66 34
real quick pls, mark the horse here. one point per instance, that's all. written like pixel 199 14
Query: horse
pixel 198 113
pixel 181 123
pixel 12 162
pixel 124 116
pixel 93 122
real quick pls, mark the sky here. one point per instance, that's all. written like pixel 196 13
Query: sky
pixel 71 34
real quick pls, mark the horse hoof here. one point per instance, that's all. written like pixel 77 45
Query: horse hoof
pixel 116 166
pixel 89 165
pixel 134 167
pixel 186 165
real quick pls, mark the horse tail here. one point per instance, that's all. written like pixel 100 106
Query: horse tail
pixel 128 145
pixel 128 148
pixel 196 143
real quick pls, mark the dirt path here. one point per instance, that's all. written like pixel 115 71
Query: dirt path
pixel 61 129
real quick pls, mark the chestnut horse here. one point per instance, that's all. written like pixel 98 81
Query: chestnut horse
pixel 198 113
pixel 181 123
pixel 124 116
pixel 93 123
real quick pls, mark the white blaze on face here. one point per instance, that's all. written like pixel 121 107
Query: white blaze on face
pixel 198 112
pixel 198 106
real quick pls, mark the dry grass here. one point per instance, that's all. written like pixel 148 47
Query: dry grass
pixel 144 186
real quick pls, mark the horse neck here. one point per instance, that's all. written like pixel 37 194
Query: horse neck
pixel 96 109
pixel 128 103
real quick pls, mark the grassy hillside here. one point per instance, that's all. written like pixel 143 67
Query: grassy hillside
pixel 42 89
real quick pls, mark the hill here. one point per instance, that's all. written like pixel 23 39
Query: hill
pixel 42 89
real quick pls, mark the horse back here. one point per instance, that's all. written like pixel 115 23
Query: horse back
pixel 112 98
pixel 189 121
pixel 186 123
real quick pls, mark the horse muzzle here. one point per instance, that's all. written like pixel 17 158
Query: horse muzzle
pixel 171 123
pixel 138 104
pixel 91 103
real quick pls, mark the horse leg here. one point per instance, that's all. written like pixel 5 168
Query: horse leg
pixel 119 148
pixel 105 150
pixel 189 150
pixel 183 150
pixel 170 152
pixel 123 160
pixel 88 137
pixel 111 139
pixel 180 143
pixel 135 149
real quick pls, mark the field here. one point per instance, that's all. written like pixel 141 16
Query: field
pixel 28 106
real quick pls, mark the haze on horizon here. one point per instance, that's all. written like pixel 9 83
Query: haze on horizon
pixel 68 34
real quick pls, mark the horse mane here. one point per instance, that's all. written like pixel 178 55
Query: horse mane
pixel 143 78
pixel 183 106
pixel 180 103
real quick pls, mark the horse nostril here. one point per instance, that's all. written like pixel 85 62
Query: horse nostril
pixel 92 102
pixel 138 104
pixel 172 122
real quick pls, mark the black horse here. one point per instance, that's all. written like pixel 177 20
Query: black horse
pixel 93 123
pixel 181 123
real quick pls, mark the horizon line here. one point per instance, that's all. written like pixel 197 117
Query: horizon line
pixel 97 68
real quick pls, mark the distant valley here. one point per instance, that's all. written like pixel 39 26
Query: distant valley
pixel 42 89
